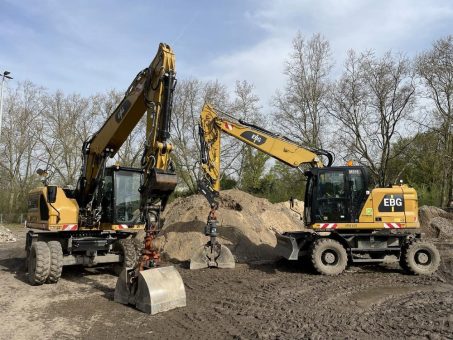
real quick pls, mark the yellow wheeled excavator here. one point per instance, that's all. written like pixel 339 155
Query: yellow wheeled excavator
pixel 348 222
pixel 97 222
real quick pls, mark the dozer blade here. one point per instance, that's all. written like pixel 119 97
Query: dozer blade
pixel 212 257
pixel 153 291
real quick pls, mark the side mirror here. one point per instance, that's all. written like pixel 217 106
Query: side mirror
pixel 51 193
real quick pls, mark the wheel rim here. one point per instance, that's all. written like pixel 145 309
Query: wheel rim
pixel 423 257
pixel 329 257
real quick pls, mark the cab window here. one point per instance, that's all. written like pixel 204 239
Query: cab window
pixel 332 202
pixel 331 185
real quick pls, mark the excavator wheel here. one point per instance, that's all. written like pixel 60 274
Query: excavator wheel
pixel 38 263
pixel 420 258
pixel 138 241
pixel 126 248
pixel 402 260
pixel 56 261
pixel 328 257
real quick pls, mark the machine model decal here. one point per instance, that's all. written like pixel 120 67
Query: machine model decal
pixel 253 137
pixel 122 109
pixel 392 203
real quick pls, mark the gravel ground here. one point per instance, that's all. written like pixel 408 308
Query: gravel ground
pixel 283 301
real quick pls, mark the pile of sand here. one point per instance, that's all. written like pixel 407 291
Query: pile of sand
pixel 6 235
pixel 247 225
pixel 436 222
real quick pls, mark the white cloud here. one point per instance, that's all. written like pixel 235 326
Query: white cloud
pixel 403 25
pixel 87 47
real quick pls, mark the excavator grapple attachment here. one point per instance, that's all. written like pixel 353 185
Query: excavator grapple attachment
pixel 152 291
pixel 217 256
pixel 212 254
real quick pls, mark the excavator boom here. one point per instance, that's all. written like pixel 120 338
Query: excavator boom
pixel 151 91
pixel 279 147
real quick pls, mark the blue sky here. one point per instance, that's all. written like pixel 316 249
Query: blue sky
pixel 93 46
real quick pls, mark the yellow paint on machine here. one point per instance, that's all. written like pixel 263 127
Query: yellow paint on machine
pixel 45 216
pixel 372 218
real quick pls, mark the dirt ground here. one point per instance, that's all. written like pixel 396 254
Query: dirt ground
pixel 283 301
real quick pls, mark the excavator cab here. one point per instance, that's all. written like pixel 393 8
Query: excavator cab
pixel 121 198
pixel 335 194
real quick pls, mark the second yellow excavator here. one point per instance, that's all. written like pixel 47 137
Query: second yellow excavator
pixel 349 222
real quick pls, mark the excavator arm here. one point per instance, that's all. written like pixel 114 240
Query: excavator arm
pixel 211 127
pixel 279 147
pixel 151 91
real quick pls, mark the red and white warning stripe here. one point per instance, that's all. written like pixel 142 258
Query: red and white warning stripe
pixel 70 227
pixel 392 225
pixel 122 226
pixel 328 226
pixel 228 126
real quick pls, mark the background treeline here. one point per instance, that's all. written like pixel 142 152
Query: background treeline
pixel 389 112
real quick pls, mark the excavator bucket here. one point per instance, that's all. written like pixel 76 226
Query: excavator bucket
pixel 218 256
pixel 153 291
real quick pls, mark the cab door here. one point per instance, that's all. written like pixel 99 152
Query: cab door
pixel 331 198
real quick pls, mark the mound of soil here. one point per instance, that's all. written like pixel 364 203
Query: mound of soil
pixel 6 235
pixel 436 222
pixel 247 226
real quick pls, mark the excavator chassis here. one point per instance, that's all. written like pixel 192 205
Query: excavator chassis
pixel 358 246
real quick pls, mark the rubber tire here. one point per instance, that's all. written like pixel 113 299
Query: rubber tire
pixel 410 262
pixel 56 261
pixel 317 250
pixel 139 242
pixel 126 247
pixel 402 262
pixel 38 263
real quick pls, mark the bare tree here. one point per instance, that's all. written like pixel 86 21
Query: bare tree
pixel 245 106
pixel 435 68
pixel 189 98
pixel 67 124
pixel 187 104
pixel 372 101
pixel 19 145
pixel 300 112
